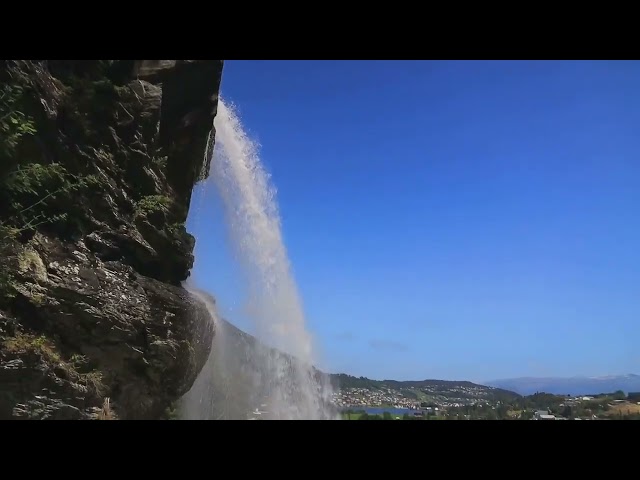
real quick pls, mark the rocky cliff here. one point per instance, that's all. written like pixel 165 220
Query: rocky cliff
pixel 97 163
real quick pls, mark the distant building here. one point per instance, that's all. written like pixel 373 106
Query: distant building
pixel 546 417
pixel 543 415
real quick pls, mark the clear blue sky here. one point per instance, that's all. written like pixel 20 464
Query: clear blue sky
pixel 456 220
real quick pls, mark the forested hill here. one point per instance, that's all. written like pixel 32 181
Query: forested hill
pixel 431 387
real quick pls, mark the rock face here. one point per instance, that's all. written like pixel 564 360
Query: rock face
pixel 97 163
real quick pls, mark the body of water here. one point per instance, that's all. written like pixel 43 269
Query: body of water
pixel 381 410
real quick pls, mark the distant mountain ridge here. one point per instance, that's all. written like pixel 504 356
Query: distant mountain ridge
pixel 570 385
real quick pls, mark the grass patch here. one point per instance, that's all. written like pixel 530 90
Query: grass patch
pixel 351 416
pixel 153 204
pixel 25 344
pixel 14 124
pixel 623 409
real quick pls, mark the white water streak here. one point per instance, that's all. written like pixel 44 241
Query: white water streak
pixel 253 218
pixel 292 390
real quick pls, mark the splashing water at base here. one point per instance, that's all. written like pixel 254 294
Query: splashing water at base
pixel 240 372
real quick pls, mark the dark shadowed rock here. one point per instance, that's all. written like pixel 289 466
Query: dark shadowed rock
pixel 97 163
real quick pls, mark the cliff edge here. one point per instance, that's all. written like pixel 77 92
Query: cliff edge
pixel 98 160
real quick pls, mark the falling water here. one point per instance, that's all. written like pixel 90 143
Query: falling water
pixel 277 373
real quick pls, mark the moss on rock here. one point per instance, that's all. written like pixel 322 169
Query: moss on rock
pixel 92 240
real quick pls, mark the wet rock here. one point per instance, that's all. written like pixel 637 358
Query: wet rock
pixel 93 247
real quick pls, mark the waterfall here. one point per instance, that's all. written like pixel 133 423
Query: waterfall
pixel 274 376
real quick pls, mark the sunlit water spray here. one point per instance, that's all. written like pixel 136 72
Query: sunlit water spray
pixel 240 371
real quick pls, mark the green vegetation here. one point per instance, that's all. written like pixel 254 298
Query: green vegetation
pixel 503 405
pixel 35 196
pixel 73 370
pixel 93 102
pixel 605 405
pixel 485 412
pixel 14 124
pixel 36 193
pixel 177 229
pixel 347 381
pixel 171 412
pixel 351 415
pixel 153 204
pixel 33 193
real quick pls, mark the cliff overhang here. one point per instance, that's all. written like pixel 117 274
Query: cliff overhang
pixel 98 160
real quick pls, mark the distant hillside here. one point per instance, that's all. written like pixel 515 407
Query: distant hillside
pixel 571 385
pixel 428 390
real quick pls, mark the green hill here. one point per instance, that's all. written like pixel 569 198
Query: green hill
pixel 428 390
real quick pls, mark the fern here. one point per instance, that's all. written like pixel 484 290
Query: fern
pixel 14 124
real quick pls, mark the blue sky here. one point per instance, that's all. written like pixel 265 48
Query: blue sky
pixel 458 220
